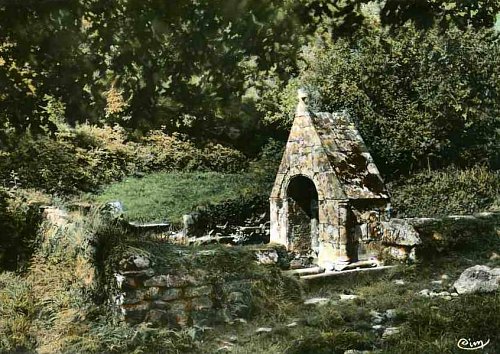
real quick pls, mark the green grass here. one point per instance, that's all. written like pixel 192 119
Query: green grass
pixel 167 196
pixel 49 308
pixel 428 325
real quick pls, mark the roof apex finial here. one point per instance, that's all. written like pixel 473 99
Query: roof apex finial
pixel 303 98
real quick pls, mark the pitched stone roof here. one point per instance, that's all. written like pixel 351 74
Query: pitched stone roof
pixel 347 153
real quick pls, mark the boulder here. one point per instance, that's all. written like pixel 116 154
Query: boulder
pixel 135 263
pixel 113 209
pixel 141 262
pixel 267 256
pixel 346 297
pixel 400 232
pixel 478 279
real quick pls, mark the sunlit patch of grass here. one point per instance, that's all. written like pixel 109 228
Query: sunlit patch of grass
pixel 167 196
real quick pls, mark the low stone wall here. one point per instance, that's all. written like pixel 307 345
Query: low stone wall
pixel 175 299
pixel 455 231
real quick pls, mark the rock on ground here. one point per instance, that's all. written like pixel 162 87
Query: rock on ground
pixel 263 330
pixel 390 331
pixel 478 279
pixel 316 301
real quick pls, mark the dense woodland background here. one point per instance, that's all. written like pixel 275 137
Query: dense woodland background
pixel 169 105
pixel 421 78
pixel 95 91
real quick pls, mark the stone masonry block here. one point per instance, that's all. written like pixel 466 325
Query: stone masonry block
pixel 169 281
pixel 171 294
pixel 205 290
pixel 177 314
pixel 201 303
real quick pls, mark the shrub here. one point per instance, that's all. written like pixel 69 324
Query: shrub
pixel 162 152
pixel 467 235
pixel 217 157
pixel 450 191
pixel 73 161
pixel 115 155
pixel 168 152
pixel 87 157
pixel 19 222
pixel 419 98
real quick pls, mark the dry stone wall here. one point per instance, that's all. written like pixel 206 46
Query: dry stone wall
pixel 175 299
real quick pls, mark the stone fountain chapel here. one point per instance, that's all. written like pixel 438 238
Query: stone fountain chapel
pixel 329 202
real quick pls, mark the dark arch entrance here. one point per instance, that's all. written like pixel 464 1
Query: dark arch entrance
pixel 302 215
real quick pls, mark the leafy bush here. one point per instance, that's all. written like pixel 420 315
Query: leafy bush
pixel 446 192
pixel 163 152
pixel 467 235
pixel 87 157
pixel 66 164
pixel 217 157
pixel 420 98
pixel 19 221
pixel 115 156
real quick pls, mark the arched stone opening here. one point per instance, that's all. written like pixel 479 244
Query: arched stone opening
pixel 303 216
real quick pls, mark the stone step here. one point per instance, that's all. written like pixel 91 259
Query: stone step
pixel 305 271
pixel 349 272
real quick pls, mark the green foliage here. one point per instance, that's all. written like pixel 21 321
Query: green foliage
pixel 469 235
pixel 108 336
pixel 17 310
pixel 159 151
pixel 329 343
pixel 87 157
pixel 71 162
pixel 19 221
pixel 345 18
pixel 420 98
pixel 446 192
pixel 268 161
pixel 202 67
pixel 219 52
pixel 54 307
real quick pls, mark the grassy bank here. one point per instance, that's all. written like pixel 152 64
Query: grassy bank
pixel 167 196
